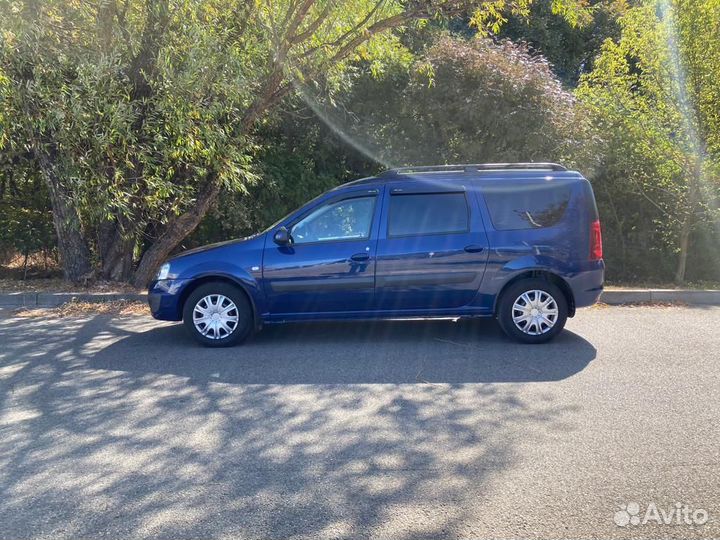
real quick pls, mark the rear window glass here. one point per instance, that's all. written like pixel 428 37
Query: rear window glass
pixel 427 213
pixel 521 207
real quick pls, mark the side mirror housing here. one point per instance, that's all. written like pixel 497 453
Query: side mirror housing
pixel 282 237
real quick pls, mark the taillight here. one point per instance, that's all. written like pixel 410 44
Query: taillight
pixel 595 241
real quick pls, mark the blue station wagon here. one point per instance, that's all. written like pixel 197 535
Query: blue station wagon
pixel 520 242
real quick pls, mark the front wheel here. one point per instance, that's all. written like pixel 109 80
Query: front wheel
pixel 218 315
pixel 532 311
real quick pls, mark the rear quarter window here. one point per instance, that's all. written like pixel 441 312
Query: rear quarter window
pixel 590 201
pixel 527 207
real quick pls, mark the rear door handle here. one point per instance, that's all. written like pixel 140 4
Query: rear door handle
pixel 474 248
pixel 360 257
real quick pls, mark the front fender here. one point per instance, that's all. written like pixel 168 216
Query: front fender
pixel 225 271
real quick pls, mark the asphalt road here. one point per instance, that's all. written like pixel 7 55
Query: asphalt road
pixel 124 428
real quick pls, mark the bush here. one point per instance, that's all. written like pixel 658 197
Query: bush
pixel 466 101
pixel 26 221
pixel 25 231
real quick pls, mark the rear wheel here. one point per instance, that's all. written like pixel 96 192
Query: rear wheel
pixel 532 311
pixel 218 315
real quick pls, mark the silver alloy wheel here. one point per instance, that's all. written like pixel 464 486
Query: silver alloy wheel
pixel 215 316
pixel 535 312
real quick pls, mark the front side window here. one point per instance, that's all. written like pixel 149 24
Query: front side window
pixel 527 208
pixel 427 213
pixel 348 219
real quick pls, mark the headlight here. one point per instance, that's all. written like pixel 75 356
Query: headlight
pixel 163 272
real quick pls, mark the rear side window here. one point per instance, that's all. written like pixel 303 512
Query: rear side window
pixel 427 213
pixel 527 207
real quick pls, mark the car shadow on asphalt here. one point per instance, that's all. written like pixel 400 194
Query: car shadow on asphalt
pixel 377 352
pixel 125 428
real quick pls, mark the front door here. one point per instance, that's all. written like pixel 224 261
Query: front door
pixel 432 249
pixel 330 264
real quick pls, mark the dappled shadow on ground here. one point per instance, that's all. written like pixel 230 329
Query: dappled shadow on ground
pixel 354 353
pixel 127 429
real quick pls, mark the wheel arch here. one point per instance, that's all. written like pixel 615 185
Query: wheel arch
pixel 547 276
pixel 219 278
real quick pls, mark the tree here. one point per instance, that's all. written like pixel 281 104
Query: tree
pixel 463 100
pixel 138 112
pixel 653 95
pixel 299 157
pixel 569 48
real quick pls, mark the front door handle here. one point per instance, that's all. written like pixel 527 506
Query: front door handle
pixel 360 257
pixel 474 248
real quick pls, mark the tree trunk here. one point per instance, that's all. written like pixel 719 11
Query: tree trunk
pixel 117 265
pixel 74 252
pixel 116 244
pixel 174 232
pixel 694 191
pixel 73 249
pixel 684 244
pixel 25 263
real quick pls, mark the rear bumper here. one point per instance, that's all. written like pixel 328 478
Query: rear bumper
pixel 587 286
pixel 164 298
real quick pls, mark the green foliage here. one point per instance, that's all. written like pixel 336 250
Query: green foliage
pixel 569 48
pixel 136 110
pixel 461 101
pixel 132 115
pixel 26 225
pixel 465 101
pixel 299 157
pixel 26 230
pixel 497 13
pixel 78 91
pixel 651 99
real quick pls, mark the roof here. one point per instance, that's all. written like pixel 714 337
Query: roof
pixel 475 168
pixel 480 171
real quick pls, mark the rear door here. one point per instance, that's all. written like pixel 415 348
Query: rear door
pixel 432 247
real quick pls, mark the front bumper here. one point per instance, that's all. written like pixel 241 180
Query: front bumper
pixel 165 298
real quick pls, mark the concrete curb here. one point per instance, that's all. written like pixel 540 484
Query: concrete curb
pixel 612 297
pixel 649 296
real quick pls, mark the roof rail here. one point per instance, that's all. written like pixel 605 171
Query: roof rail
pixel 473 167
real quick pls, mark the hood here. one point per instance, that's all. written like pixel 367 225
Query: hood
pixel 211 247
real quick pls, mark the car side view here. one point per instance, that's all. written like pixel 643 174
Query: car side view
pixel 517 241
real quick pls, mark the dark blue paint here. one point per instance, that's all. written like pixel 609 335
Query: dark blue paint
pixel 457 274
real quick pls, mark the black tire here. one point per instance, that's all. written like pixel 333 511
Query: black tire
pixel 245 320
pixel 513 292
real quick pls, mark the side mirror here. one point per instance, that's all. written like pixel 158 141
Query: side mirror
pixel 282 237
